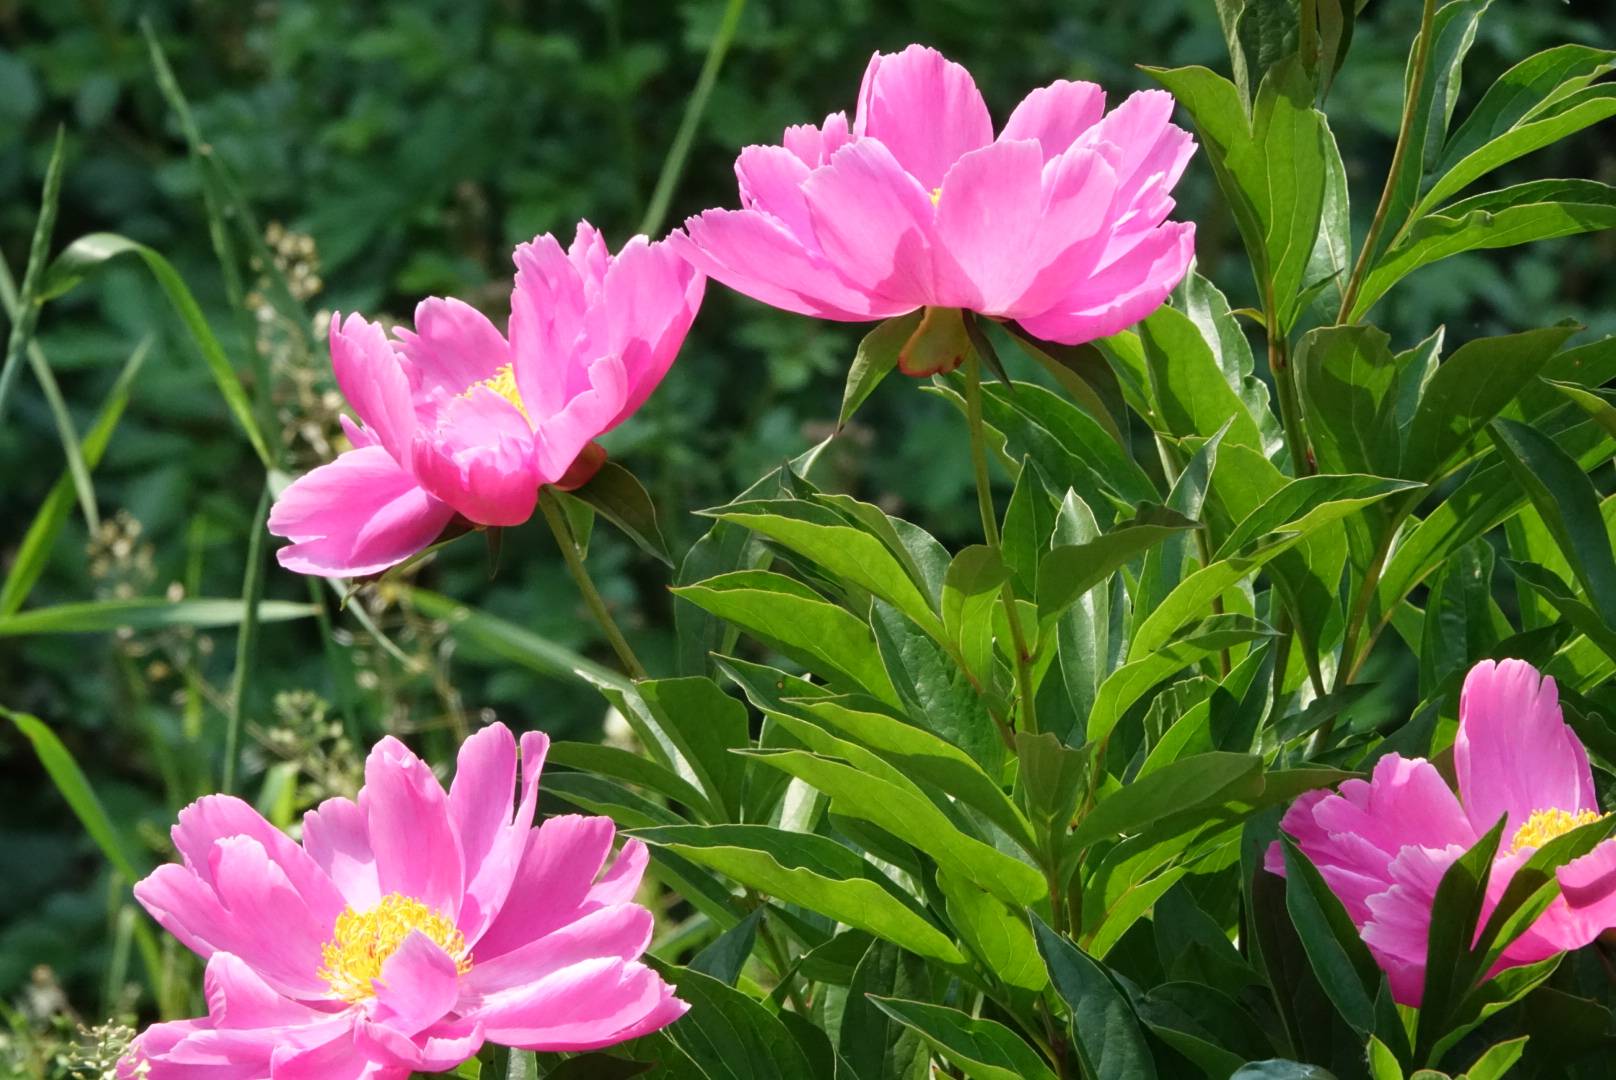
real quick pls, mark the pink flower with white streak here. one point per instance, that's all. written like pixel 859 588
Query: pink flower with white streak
pixel 459 420
pixel 409 927
pixel 1383 844
pixel 1059 223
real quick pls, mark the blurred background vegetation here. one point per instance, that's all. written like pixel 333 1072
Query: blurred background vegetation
pixel 401 149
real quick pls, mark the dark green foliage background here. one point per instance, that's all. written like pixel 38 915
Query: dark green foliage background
pixel 417 141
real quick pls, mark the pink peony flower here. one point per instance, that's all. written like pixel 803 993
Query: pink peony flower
pixel 1383 845
pixel 408 927
pixel 1059 223
pixel 456 420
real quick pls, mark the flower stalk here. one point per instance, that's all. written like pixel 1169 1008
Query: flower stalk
pixel 556 518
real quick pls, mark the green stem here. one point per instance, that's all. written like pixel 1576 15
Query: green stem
pixel 1290 400
pixel 1405 137
pixel 990 532
pixel 556 518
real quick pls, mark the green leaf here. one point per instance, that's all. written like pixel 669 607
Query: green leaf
pixel 1569 505
pixel 1523 214
pixel 146 613
pixel 1198 393
pixel 1455 915
pixel 1554 121
pixel 1348 381
pixel 728 1035
pixel 1103 1026
pixel 1129 684
pixel 981 1049
pixel 619 497
pixel 1310 503
pixel 1339 958
pixel 76 788
pixel 1194 596
pixel 970 591
pixel 852 554
pixel 1498 1059
pixel 1029 524
pixel 726 955
pixel 1485 499
pixel 876 357
pixel 1453 31
pixel 1468 390
pixel 1201 780
pixel 1281 1070
pixel 994 932
pixel 1044 414
pixel 34 290
pixel 89 253
pixel 1070 570
pixel 911 818
pixel 1523 91
pixel 922 755
pixel 634 768
pixel 1596 403
pixel 706 724
pixel 872 1044
pixel 1053 776
pixel 797 622
pixel 34 551
pixel 1165 563
pixel 812 871
pixel 936 694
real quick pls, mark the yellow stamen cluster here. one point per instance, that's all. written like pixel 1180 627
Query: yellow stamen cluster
pixel 936 195
pixel 503 383
pixel 1545 825
pixel 363 940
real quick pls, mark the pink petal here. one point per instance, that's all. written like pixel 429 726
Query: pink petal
pixel 925 109
pixel 452 348
pixel 492 841
pixel 1401 918
pixel 771 179
pixel 1353 835
pixel 238 997
pixel 649 298
pixel 1078 194
pixel 437 1049
pixel 589 1005
pixel 417 854
pixel 874 223
pixel 1122 293
pixel 620 883
pixel 1141 131
pixel 273 928
pixel 335 1059
pixel 813 146
pixel 419 985
pixel 590 257
pixel 623 931
pixel 558 866
pixel 479 459
pixel 1056 115
pixel 337 838
pixel 1513 753
pixel 549 313
pixel 358 515
pixel 563 435
pixel 217 817
pixel 371 378
pixel 756 254
pixel 989 217
pixel 185 906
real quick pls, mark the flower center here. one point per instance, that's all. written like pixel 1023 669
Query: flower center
pixel 936 195
pixel 363 940
pixel 1545 825
pixel 503 383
